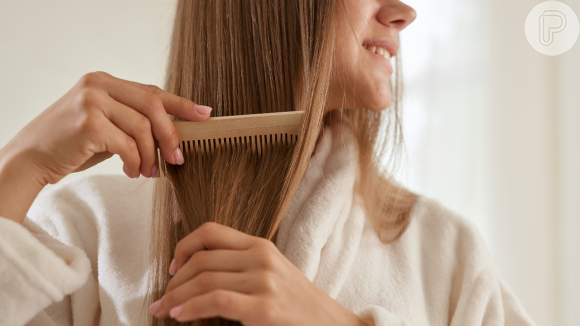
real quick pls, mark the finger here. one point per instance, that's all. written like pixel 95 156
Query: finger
pixel 151 106
pixel 115 141
pixel 218 303
pixel 204 283
pixel 208 261
pixel 147 104
pixel 212 236
pixel 135 125
pixel 173 104
pixel 177 105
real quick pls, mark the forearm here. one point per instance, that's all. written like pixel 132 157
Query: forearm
pixel 18 184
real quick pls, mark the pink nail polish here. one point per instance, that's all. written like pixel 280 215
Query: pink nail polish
pixel 175 312
pixel 155 306
pixel 172 268
pixel 202 109
pixel 138 173
pixel 154 171
pixel 178 156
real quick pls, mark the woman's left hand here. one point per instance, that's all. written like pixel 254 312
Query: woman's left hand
pixel 222 272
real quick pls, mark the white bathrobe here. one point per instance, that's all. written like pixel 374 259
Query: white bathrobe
pixel 81 256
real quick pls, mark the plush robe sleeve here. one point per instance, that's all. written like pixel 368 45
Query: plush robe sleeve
pixel 36 270
pixel 80 257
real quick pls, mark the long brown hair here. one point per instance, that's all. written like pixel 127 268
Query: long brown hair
pixel 260 56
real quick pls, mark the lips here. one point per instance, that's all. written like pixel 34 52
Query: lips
pixel 381 54
pixel 379 50
pixel 390 45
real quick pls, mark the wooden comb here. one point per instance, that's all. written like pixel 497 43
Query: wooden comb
pixel 252 131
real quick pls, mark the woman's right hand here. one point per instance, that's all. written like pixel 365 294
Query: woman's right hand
pixel 99 117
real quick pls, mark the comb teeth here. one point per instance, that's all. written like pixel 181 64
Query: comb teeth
pixel 258 144
pixel 256 132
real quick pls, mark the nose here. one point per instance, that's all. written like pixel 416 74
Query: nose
pixel 396 14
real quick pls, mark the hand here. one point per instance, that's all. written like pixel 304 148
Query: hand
pixel 223 272
pixel 100 116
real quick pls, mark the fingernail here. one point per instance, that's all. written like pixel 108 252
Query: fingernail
pixel 178 156
pixel 156 305
pixel 172 268
pixel 175 312
pixel 202 109
pixel 138 173
pixel 154 171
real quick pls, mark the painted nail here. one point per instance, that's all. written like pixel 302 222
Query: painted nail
pixel 172 268
pixel 138 173
pixel 202 109
pixel 154 171
pixel 178 156
pixel 156 305
pixel 175 312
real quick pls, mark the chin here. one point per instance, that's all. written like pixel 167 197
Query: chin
pixel 379 98
pixel 377 103
pixel 376 100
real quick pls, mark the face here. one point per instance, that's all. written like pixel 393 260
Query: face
pixel 362 70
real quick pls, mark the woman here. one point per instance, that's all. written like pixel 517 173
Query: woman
pixel 327 239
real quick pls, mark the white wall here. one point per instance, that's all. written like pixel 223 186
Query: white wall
pixel 567 239
pixel 523 161
pixel 535 149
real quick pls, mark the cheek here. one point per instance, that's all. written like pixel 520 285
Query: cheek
pixel 358 80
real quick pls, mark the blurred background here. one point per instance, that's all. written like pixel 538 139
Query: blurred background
pixel 491 126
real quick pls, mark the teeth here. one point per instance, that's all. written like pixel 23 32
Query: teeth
pixel 379 51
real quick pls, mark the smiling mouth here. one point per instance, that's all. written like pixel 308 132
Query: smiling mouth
pixel 379 50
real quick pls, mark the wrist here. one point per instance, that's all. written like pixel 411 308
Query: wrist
pixel 19 184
